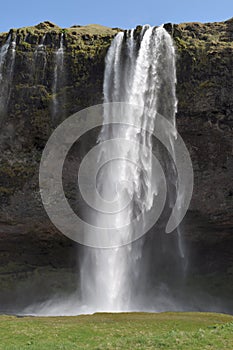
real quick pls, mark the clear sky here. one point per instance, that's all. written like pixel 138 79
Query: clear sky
pixel 112 13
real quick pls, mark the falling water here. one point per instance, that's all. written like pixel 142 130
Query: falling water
pixel 58 77
pixel 40 61
pixel 7 61
pixel 144 275
pixel 3 53
pixel 111 278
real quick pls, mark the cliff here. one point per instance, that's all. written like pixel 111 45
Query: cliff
pixel 30 245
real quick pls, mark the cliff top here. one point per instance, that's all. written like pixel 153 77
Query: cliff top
pixel 215 32
pixel 47 26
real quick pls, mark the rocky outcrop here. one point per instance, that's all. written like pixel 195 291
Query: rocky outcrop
pixel 205 121
pixel 205 117
pixel 29 120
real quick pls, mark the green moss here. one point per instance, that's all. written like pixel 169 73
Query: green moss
pixel 181 44
pixel 207 84
pixel 25 45
pixel 6 191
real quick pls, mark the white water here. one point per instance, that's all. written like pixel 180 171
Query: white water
pixel 7 62
pixel 3 53
pixel 40 61
pixel 110 278
pixel 144 275
pixel 58 72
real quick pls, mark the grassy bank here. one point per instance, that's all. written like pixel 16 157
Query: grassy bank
pixel 189 331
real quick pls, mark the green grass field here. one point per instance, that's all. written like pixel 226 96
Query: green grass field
pixel 189 331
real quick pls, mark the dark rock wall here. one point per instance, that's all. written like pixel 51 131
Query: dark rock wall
pixel 205 117
pixel 29 120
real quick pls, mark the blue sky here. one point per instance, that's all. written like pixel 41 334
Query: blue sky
pixel 113 13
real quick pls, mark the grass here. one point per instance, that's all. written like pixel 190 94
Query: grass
pixel 176 331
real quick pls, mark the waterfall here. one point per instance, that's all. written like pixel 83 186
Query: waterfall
pixel 3 53
pixel 7 62
pixel 111 279
pixel 58 77
pixel 40 61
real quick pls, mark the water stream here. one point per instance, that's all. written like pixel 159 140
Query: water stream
pixel 58 78
pixel 111 278
pixel 7 62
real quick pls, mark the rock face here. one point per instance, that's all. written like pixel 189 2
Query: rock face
pixel 205 118
pixel 205 121
pixel 29 120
